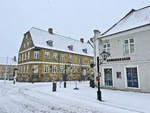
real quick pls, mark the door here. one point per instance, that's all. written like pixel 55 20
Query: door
pixel 132 77
pixel 108 77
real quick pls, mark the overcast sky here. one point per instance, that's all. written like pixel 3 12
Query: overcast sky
pixel 73 18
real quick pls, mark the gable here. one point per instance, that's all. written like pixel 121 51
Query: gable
pixel 27 42
pixel 134 19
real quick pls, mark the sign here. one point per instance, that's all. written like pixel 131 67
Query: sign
pixel 118 59
pixel 97 78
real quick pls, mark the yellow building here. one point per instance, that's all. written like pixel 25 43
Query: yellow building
pixel 7 67
pixel 46 56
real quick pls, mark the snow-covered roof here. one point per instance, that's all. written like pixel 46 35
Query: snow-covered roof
pixel 134 19
pixel 7 61
pixel 60 43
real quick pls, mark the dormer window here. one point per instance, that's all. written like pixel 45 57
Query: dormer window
pixel 49 43
pixel 85 50
pixel 70 47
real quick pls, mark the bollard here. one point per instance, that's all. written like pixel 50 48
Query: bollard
pixel 54 86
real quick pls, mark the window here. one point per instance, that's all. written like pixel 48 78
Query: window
pixel 129 46
pixel 22 56
pixel 49 43
pixel 118 75
pixel 20 69
pixel 24 45
pixel 79 70
pixel 54 70
pixel 25 56
pixel 70 58
pixel 28 55
pixel 74 70
pixel 79 60
pixel 84 50
pixel 35 68
pixel 61 69
pixel 62 58
pixel 106 47
pixel 132 77
pixel 86 61
pixel 91 61
pixel 27 69
pixel 70 47
pixel 46 69
pixel 108 77
pixel 47 55
pixel 28 44
pixel 24 69
pixel 55 56
pixel 36 54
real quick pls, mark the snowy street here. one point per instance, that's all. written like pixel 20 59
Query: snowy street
pixel 39 98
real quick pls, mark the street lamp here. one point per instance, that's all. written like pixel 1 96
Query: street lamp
pixel 66 73
pixel 104 56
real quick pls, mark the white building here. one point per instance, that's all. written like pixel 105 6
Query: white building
pixel 128 41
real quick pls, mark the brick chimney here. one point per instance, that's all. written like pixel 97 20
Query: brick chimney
pixel 82 40
pixel 50 30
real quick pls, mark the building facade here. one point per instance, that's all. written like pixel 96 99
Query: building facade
pixel 46 56
pixel 7 68
pixel 128 43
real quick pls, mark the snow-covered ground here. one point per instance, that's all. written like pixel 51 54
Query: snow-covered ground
pixel 39 98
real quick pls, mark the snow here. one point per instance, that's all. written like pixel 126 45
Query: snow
pixel 39 98
pixel 60 43
pixel 135 19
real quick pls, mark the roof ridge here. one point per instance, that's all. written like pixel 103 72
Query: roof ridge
pixel 142 8
pixel 58 35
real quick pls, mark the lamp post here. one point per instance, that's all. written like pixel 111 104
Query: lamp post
pixel 66 73
pixel 104 56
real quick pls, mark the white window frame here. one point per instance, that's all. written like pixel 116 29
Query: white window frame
pixel 55 56
pixel 86 60
pixel 35 69
pixel 103 78
pixel 54 69
pixel 125 73
pixel 62 58
pixel 22 56
pixel 107 49
pixel 61 69
pixel 70 58
pixel 46 69
pixel 129 46
pixel 47 55
pixel 28 56
pixel 28 44
pixel 79 60
pixel 74 69
pixel 24 45
pixel 36 54
pixel 27 69
pixel 25 56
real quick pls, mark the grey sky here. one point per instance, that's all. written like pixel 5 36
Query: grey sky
pixel 74 18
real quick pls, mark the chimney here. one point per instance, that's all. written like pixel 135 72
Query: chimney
pixel 50 30
pixel 97 33
pixel 82 40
